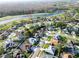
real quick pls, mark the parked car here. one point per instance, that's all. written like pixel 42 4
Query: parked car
pixel 33 41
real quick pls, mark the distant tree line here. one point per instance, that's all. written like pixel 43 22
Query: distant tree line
pixel 21 12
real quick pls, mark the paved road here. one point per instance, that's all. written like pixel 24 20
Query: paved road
pixel 19 17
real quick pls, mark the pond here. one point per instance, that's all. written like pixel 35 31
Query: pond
pixel 31 15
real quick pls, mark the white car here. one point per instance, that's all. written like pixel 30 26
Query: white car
pixel 32 40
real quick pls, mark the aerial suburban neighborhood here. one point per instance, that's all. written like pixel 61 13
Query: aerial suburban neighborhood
pixel 46 32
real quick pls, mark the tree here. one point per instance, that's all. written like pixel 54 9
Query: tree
pixel 60 24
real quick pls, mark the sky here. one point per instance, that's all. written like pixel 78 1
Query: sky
pixel 4 1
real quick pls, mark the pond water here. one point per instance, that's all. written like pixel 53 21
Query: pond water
pixel 19 17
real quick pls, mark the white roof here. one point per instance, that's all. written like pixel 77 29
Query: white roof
pixel 8 41
pixel 50 50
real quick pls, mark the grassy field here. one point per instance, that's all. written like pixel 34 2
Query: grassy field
pixel 6 18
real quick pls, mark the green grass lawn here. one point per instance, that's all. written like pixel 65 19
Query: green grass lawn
pixel 45 46
pixel 6 17
pixel 1 42
pixel 1 48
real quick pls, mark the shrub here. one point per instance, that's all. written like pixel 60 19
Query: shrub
pixel 60 24
pixel 1 50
